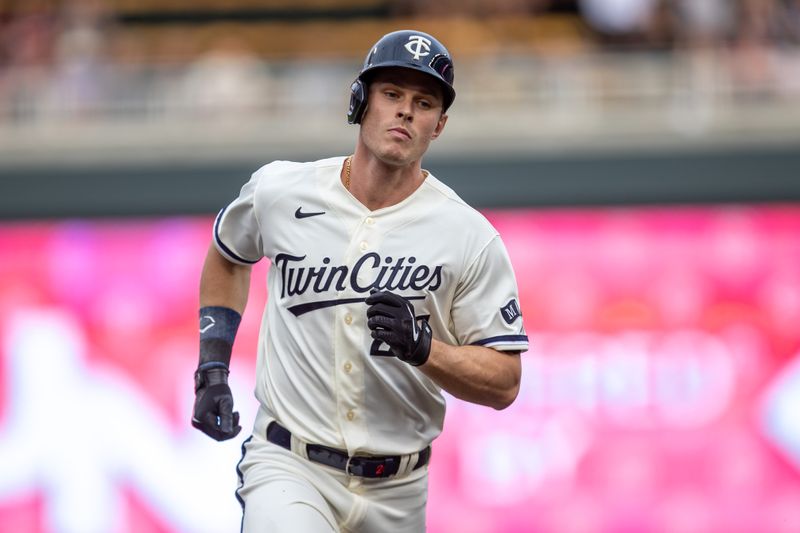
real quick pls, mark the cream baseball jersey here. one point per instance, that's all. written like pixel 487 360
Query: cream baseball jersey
pixel 318 370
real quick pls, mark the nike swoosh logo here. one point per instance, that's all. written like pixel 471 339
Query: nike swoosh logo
pixel 299 213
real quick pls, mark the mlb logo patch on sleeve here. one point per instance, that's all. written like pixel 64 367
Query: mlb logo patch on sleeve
pixel 510 311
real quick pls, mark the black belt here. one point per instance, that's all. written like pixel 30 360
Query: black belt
pixel 358 465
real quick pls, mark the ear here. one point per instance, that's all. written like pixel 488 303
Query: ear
pixel 439 126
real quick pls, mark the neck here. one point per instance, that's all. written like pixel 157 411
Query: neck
pixel 377 184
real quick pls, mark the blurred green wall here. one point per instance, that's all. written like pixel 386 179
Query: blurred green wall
pixel 655 176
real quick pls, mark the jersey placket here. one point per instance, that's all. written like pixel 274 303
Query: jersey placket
pixel 350 349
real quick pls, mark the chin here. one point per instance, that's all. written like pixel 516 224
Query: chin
pixel 400 156
pixel 394 159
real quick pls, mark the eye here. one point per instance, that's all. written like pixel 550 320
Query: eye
pixel 389 93
pixel 425 104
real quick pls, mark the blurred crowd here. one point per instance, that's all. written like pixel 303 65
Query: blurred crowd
pixel 692 23
pixel 55 53
pixel 36 31
pixel 647 23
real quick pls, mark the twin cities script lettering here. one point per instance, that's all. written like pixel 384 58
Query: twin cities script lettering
pixel 371 272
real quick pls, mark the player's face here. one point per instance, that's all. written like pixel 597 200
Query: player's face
pixel 403 115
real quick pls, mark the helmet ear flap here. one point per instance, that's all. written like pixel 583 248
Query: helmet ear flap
pixel 358 101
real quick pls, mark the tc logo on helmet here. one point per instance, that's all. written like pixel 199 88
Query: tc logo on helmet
pixel 418 45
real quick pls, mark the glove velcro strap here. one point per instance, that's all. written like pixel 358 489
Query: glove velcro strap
pixel 212 364
pixel 423 348
pixel 210 373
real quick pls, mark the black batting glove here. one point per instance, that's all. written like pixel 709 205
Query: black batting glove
pixel 213 404
pixel 391 319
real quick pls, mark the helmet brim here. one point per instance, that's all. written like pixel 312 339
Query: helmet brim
pixel 448 93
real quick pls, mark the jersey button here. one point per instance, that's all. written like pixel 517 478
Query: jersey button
pixel 370 221
pixel 350 415
pixel 364 246
pixel 348 319
pixel 348 367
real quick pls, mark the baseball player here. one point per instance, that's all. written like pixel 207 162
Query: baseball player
pixel 385 289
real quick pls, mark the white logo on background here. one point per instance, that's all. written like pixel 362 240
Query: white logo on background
pixel 419 46
pixel 778 416
pixel 119 441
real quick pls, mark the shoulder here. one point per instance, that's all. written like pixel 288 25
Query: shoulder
pixel 296 168
pixel 454 210
pixel 284 174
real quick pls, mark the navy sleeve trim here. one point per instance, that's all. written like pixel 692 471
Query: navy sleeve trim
pixel 222 244
pixel 502 339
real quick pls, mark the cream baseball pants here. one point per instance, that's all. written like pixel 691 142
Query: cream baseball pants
pixel 281 491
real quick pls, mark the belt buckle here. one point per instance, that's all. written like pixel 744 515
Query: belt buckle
pixel 347 466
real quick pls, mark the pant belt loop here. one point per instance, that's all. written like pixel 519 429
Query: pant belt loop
pixel 407 463
pixel 299 447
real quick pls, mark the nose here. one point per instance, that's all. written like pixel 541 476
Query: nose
pixel 405 112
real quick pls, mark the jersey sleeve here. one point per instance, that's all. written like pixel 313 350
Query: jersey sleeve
pixel 486 308
pixel 237 234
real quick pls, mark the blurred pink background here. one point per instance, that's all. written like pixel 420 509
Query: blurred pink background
pixel 659 394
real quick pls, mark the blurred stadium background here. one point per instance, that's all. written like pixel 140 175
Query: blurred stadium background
pixel 641 159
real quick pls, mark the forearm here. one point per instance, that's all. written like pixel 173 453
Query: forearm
pixel 224 287
pixel 475 373
pixel 223 296
pixel 223 283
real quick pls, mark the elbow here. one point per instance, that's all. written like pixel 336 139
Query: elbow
pixel 506 397
pixel 509 392
pixel 505 400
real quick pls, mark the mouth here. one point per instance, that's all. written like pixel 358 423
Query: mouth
pixel 401 131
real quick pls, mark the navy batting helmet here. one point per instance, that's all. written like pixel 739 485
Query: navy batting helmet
pixel 404 49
